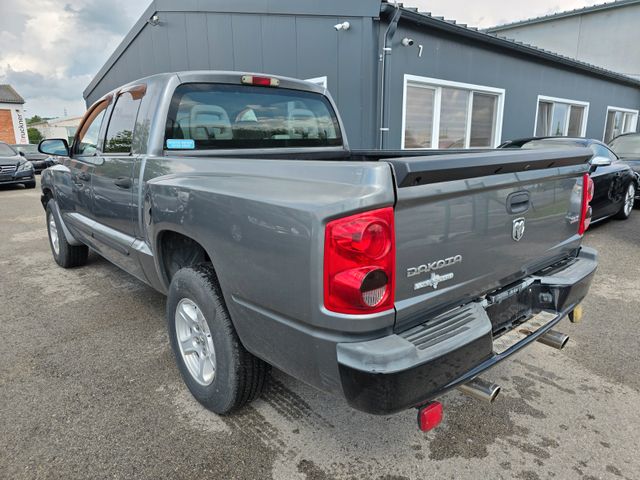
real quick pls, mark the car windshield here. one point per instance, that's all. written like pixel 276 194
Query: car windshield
pixel 215 116
pixel 626 146
pixel 26 148
pixel 6 150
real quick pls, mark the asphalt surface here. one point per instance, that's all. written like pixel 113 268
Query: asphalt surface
pixel 89 389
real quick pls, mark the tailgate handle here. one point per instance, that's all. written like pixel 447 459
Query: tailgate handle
pixel 518 202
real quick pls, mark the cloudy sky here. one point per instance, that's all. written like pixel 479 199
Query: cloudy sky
pixel 51 49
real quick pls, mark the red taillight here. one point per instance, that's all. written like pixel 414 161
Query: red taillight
pixel 429 416
pixel 260 81
pixel 359 262
pixel 585 210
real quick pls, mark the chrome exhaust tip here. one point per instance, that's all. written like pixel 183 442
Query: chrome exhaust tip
pixel 554 339
pixel 480 390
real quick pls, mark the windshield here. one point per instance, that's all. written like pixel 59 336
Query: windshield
pixel 626 146
pixel 26 148
pixel 214 116
pixel 6 151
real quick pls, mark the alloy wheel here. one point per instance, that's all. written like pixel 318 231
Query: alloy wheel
pixel 195 342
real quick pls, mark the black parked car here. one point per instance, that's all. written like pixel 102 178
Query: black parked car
pixel 614 181
pixel 37 159
pixel 14 168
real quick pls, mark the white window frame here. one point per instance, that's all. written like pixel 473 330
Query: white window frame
pixel 437 84
pixel 554 100
pixel 610 108
pixel 322 81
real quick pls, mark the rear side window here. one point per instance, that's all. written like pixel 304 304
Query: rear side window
pixel 120 131
pixel 214 116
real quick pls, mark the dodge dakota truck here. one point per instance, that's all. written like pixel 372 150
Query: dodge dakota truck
pixel 387 278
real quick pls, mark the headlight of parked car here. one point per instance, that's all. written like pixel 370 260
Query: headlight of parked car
pixel 25 167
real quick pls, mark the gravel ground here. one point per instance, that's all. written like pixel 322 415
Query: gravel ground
pixel 89 389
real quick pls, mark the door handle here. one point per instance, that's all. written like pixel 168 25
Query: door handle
pixel 518 202
pixel 123 182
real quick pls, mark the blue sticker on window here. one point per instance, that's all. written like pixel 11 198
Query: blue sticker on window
pixel 181 144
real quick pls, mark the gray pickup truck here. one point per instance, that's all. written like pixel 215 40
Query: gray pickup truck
pixel 384 277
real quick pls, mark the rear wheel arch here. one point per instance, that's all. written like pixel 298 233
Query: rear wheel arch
pixel 176 250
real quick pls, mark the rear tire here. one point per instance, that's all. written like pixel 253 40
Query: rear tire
pixel 219 372
pixel 65 255
pixel 627 202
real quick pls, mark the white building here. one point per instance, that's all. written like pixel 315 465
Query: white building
pixel 58 127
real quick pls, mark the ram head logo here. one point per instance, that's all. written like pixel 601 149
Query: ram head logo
pixel 518 229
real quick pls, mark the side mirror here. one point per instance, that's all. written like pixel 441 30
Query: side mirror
pixel 600 160
pixel 21 154
pixel 54 146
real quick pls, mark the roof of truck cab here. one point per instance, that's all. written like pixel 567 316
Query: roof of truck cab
pixel 215 76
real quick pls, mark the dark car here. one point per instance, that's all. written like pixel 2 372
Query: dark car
pixel 614 180
pixel 14 168
pixel 37 159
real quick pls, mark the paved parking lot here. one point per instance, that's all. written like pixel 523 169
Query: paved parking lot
pixel 89 389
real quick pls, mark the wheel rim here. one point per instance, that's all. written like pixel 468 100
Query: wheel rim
pixel 195 342
pixel 53 235
pixel 629 201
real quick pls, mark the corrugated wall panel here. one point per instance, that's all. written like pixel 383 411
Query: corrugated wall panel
pixel 175 25
pixel 148 63
pixel 197 41
pixel 160 39
pixel 279 45
pixel 352 82
pixel 317 49
pixel 247 43
pixel 219 33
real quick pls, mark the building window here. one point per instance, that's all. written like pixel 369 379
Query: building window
pixel 442 114
pixel 619 121
pixel 558 117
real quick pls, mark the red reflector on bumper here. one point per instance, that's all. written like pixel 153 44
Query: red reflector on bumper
pixel 429 416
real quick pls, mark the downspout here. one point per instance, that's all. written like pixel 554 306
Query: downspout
pixel 386 50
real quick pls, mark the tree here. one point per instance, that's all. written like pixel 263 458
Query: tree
pixel 34 119
pixel 34 135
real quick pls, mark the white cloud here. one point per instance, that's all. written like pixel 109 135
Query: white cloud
pixel 52 49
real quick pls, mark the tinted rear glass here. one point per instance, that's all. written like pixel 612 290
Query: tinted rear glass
pixel 6 151
pixel 215 116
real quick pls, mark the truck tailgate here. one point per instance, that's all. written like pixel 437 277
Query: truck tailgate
pixel 467 224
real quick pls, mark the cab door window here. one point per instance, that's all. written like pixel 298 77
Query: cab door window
pixel 120 130
pixel 87 139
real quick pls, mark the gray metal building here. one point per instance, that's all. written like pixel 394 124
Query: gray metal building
pixel 606 34
pixel 401 78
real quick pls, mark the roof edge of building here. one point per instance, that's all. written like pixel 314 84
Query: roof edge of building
pixel 559 15
pixel 16 97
